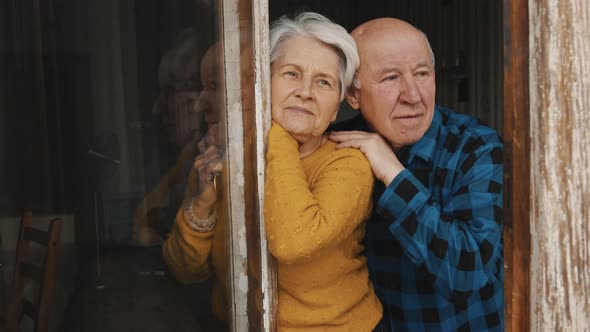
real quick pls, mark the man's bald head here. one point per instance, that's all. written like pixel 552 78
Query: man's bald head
pixel 380 25
pixel 394 87
pixel 382 30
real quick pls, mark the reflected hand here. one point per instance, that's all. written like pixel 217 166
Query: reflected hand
pixel 207 166
pixel 211 138
pixel 384 163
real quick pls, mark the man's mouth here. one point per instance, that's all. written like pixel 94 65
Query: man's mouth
pixel 408 116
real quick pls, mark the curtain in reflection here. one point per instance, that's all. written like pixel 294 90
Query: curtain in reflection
pixel 31 141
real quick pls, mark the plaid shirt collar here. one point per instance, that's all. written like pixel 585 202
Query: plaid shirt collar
pixel 424 149
pixel 426 146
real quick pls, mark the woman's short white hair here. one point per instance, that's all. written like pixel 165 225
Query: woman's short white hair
pixel 314 25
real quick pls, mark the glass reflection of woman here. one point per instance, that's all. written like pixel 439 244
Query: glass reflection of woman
pixel 195 250
pixel 317 197
pixel 183 125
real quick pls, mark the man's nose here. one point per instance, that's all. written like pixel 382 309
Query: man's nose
pixel 409 91
pixel 304 91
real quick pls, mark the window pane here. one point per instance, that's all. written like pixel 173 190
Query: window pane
pixel 106 106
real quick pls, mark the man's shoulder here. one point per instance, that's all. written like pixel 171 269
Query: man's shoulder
pixel 467 127
pixel 356 123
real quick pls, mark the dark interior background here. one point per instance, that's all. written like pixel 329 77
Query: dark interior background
pixel 53 111
pixel 465 35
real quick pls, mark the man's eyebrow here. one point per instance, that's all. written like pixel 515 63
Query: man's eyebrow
pixel 386 70
pixel 424 63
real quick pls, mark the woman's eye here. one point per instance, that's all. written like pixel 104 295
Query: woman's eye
pixel 291 74
pixel 324 82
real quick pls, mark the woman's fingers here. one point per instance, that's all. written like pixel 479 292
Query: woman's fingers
pixel 206 157
pixel 208 164
pixel 202 145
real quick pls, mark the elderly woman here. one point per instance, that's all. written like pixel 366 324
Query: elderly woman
pixel 317 197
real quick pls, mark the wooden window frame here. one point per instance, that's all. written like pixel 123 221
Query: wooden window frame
pixel 516 133
pixel 517 181
pixel 244 29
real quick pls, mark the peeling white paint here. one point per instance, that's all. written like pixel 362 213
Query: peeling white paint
pixel 560 157
pixel 263 121
pixel 235 163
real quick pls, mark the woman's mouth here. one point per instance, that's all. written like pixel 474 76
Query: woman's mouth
pixel 298 109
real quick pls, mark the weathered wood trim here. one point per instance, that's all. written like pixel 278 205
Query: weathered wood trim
pixel 263 121
pixel 233 180
pixel 517 197
pixel 253 156
pixel 560 149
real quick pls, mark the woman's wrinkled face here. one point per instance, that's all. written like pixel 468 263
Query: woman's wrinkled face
pixel 178 93
pixel 305 87
pixel 209 101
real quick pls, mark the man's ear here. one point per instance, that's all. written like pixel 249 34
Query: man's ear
pixel 352 97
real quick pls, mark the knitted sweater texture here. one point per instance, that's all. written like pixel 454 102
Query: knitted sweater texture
pixel 315 211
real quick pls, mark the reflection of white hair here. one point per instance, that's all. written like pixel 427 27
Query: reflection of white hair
pixel 185 45
pixel 176 64
pixel 316 26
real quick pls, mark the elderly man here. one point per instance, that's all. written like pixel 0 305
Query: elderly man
pixel 434 243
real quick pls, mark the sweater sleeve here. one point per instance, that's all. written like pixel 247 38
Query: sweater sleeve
pixel 187 251
pixel 302 219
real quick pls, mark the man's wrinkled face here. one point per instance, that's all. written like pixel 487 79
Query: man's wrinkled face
pixel 397 86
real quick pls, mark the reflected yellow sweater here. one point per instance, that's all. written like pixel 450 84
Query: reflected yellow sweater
pixel 315 211
pixel 194 257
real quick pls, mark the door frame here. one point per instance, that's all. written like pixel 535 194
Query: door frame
pixel 516 133
pixel 517 178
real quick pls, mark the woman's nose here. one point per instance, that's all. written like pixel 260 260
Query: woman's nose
pixel 200 105
pixel 304 90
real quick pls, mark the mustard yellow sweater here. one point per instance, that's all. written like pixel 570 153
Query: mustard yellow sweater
pixel 194 257
pixel 315 211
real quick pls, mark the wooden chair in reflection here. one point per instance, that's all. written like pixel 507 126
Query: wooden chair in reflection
pixel 43 275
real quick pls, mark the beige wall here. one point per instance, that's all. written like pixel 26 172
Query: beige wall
pixel 560 158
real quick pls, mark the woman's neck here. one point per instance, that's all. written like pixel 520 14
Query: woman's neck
pixel 311 145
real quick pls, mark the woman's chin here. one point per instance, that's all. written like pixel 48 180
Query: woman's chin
pixel 296 131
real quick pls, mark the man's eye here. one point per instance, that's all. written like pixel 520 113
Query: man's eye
pixel 422 73
pixel 390 78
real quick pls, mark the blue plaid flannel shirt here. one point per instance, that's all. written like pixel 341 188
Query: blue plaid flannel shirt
pixel 434 243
